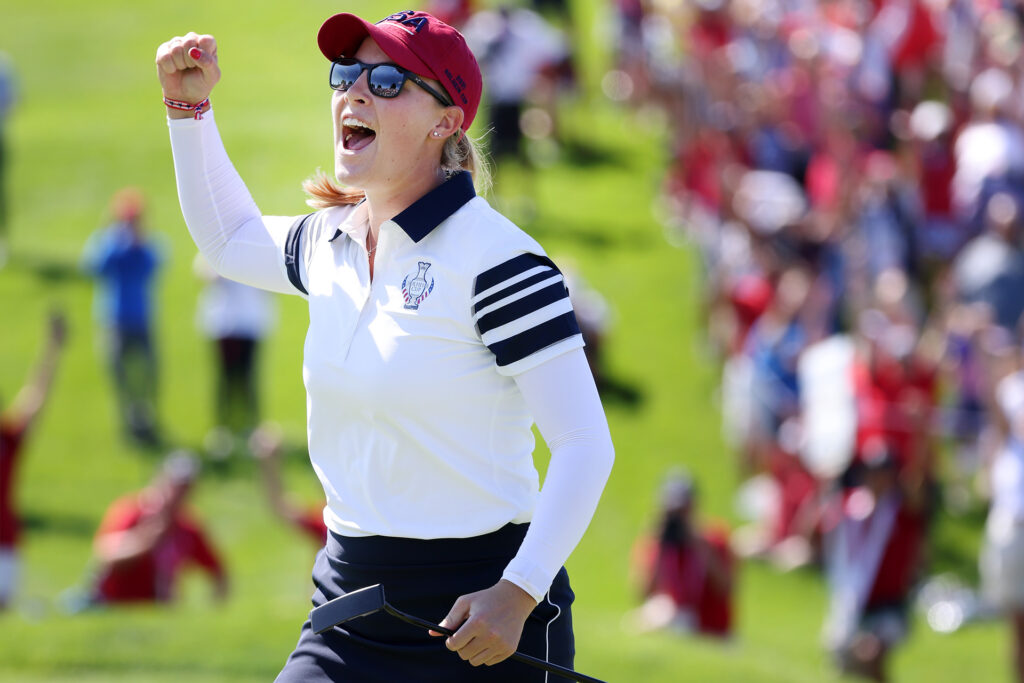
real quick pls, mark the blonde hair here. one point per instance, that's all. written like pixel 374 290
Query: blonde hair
pixel 460 153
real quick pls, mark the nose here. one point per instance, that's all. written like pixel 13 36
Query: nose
pixel 360 90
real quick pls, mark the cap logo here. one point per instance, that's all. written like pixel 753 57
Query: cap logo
pixel 458 83
pixel 407 21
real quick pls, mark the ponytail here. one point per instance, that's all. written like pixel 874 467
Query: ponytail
pixel 462 153
pixel 324 192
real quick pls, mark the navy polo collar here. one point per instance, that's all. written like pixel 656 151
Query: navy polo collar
pixel 433 208
pixel 436 206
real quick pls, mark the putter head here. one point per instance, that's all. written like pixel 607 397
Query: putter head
pixel 358 603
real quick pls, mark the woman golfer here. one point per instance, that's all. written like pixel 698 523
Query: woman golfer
pixel 438 333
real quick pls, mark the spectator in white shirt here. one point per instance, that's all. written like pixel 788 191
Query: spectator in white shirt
pixel 236 318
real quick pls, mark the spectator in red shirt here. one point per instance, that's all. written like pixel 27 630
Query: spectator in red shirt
pixel 931 127
pixel 686 572
pixel 874 541
pixel 265 445
pixel 875 524
pixel 15 422
pixel 147 538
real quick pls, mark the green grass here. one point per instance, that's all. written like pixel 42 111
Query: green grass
pixel 90 121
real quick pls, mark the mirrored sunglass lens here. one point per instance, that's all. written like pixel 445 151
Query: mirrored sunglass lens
pixel 343 76
pixel 386 81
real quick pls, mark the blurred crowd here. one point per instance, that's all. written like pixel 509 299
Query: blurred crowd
pixel 852 174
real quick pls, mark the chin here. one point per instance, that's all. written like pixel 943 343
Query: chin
pixel 349 177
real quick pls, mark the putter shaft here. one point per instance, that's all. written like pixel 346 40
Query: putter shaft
pixel 518 656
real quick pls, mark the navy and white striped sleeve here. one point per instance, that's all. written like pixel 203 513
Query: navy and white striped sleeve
pixel 294 263
pixel 522 311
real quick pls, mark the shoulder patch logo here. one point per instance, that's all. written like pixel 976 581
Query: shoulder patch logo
pixel 416 288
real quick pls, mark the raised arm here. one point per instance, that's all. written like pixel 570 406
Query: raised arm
pixel 265 445
pixel 30 399
pixel 220 213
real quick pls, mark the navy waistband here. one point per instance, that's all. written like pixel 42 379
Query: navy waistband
pixel 503 543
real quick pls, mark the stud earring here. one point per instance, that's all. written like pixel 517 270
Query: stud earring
pixel 436 134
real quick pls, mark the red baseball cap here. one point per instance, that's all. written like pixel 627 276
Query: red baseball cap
pixel 417 41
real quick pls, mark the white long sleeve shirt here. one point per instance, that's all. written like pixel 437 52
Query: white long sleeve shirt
pixel 422 384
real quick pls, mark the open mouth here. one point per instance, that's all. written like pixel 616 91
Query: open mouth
pixel 356 134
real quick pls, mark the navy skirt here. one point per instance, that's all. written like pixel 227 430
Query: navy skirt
pixel 422 578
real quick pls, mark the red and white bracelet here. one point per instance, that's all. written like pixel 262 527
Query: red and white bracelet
pixel 185 106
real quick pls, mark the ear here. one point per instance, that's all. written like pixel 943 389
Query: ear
pixel 449 123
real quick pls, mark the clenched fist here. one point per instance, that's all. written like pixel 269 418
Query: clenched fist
pixel 188 69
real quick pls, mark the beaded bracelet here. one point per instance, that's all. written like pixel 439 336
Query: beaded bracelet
pixel 185 106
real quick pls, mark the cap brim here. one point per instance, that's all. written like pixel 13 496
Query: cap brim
pixel 342 34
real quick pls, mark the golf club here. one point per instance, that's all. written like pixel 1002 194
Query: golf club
pixel 370 600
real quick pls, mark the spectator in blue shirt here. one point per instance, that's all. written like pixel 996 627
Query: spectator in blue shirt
pixel 125 262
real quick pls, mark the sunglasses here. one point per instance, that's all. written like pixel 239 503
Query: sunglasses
pixel 385 80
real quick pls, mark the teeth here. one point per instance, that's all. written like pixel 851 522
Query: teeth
pixel 353 122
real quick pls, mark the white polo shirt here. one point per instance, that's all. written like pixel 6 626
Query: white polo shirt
pixel 419 382
pixel 416 427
